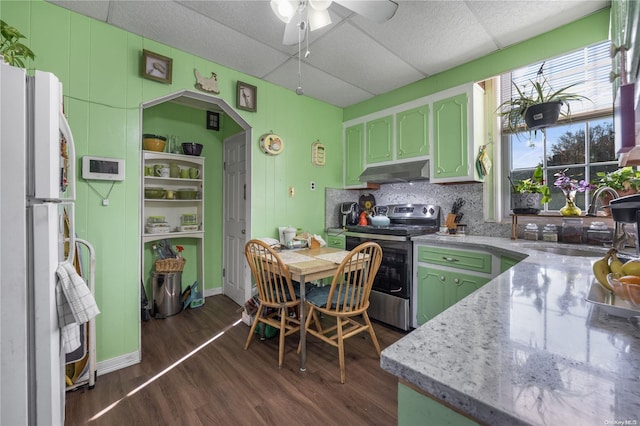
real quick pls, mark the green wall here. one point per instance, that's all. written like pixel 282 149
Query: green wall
pixel 584 32
pixel 99 66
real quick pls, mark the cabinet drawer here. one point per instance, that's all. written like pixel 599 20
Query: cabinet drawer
pixel 461 259
pixel 337 241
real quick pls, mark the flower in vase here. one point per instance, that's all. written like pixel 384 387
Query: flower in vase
pixel 568 184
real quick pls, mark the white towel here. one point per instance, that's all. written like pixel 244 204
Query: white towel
pixel 76 305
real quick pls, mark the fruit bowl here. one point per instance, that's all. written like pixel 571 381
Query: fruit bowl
pixel 626 287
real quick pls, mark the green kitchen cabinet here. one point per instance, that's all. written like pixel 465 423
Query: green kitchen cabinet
pixel 353 155
pixel 379 145
pixel 444 276
pixel 414 408
pixel 458 133
pixel 337 241
pixel 412 132
pixel 439 289
pixel 507 263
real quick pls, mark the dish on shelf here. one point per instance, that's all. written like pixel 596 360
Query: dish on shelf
pixel 186 228
pixel 186 194
pixel 192 148
pixel 153 142
pixel 156 219
pixel 158 228
pixel 609 303
pixel 189 219
pixel 154 193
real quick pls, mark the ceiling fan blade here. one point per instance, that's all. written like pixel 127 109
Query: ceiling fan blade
pixel 376 10
pixel 293 29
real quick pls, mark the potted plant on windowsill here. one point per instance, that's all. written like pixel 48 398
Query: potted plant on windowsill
pixel 528 195
pixel 538 106
pixel 625 181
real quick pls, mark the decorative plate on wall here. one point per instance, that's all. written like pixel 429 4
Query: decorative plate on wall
pixel 271 144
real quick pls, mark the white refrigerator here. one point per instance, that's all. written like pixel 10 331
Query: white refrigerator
pixel 37 183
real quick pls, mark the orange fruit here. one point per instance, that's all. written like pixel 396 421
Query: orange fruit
pixel 630 279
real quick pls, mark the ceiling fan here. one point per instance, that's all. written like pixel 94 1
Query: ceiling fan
pixel 309 15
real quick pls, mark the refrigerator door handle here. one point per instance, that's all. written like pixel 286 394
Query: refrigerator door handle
pixel 66 132
pixel 71 214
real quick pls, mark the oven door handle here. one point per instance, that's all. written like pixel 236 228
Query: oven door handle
pixel 450 259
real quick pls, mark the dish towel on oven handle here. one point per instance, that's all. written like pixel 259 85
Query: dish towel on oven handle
pixel 76 305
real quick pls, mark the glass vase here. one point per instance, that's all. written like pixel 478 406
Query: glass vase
pixel 570 208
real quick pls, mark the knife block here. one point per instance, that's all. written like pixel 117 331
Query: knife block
pixel 450 221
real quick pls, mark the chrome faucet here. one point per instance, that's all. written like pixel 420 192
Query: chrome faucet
pixel 620 235
pixel 593 207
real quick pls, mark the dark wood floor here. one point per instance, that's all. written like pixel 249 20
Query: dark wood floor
pixel 221 384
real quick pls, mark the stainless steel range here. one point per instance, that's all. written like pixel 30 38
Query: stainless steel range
pixel 390 300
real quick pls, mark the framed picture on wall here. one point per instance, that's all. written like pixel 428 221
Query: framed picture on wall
pixel 156 67
pixel 246 97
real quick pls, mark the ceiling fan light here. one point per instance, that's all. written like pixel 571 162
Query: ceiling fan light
pixel 318 19
pixel 320 4
pixel 283 9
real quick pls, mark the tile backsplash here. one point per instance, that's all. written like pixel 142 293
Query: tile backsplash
pixel 422 192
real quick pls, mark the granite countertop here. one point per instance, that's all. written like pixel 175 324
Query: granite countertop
pixel 526 348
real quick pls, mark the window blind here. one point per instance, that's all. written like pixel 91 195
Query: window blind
pixel 588 68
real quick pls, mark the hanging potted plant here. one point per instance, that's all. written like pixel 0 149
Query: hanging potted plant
pixel 529 194
pixel 538 106
pixel 11 49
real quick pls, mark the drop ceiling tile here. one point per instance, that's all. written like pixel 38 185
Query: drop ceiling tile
pixel 317 84
pixel 348 54
pixel 510 22
pixel 97 9
pixel 175 25
pixel 431 35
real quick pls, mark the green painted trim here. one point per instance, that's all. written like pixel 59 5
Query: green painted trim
pixel 584 32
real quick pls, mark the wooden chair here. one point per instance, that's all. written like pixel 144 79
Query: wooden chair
pixel 275 291
pixel 346 300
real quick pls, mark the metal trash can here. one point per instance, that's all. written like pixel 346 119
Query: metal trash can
pixel 167 292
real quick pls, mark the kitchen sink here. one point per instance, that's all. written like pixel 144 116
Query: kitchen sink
pixel 567 251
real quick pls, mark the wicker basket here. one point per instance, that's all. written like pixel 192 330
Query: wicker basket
pixel 170 265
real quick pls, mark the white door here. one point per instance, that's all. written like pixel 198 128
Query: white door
pixel 236 283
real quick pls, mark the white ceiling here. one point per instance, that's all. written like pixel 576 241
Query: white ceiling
pixel 351 60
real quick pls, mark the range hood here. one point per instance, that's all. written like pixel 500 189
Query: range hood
pixel 398 172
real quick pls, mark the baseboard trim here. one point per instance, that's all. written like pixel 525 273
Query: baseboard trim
pixel 117 363
pixel 212 291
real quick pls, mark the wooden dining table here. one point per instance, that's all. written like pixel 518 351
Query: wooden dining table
pixel 307 265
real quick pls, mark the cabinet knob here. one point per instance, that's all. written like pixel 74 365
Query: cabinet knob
pixel 442 278
pixel 243 232
pixel 456 280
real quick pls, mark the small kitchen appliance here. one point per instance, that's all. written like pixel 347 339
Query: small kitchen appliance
pixel 348 215
pixel 625 212
pixel 392 296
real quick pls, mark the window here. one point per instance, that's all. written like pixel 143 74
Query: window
pixel 585 144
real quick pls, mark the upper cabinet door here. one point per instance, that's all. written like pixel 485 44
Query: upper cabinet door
pixel 458 133
pixel 380 140
pixel 353 155
pixel 450 137
pixel 412 133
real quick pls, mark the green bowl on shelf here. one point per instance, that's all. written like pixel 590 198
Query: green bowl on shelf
pixel 154 193
pixel 186 194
